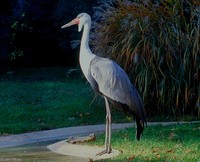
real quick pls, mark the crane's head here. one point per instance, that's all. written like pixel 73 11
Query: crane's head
pixel 80 20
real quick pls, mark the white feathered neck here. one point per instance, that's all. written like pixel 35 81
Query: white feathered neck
pixel 86 55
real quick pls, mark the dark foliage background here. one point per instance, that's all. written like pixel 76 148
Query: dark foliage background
pixel 157 42
pixel 31 34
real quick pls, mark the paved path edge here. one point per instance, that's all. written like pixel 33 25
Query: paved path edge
pixel 63 133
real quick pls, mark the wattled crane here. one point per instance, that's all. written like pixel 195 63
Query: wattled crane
pixel 108 79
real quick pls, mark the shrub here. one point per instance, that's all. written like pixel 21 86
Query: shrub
pixel 158 45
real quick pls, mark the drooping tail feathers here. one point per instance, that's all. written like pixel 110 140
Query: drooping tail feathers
pixel 136 108
pixel 140 128
pixel 140 115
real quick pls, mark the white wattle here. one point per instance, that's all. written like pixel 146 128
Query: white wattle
pixel 86 55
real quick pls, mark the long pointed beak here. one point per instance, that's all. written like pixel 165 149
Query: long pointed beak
pixel 68 25
pixel 73 22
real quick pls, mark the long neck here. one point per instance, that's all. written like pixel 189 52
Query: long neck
pixel 86 55
pixel 85 37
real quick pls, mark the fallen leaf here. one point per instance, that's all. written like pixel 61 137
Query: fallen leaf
pixel 158 156
pixel 169 151
pixel 165 157
pixel 90 160
pixel 131 157
pixel 187 151
pixel 155 150
pixel 121 151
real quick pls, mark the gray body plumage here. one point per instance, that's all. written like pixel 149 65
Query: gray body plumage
pixel 109 79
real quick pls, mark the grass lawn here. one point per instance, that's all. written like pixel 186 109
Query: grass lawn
pixel 170 143
pixel 46 98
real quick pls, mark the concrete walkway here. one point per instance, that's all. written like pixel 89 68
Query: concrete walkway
pixel 82 151
pixel 63 133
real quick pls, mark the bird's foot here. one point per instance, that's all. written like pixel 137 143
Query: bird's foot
pixel 106 151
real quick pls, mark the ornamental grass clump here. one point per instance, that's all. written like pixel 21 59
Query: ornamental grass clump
pixel 158 45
